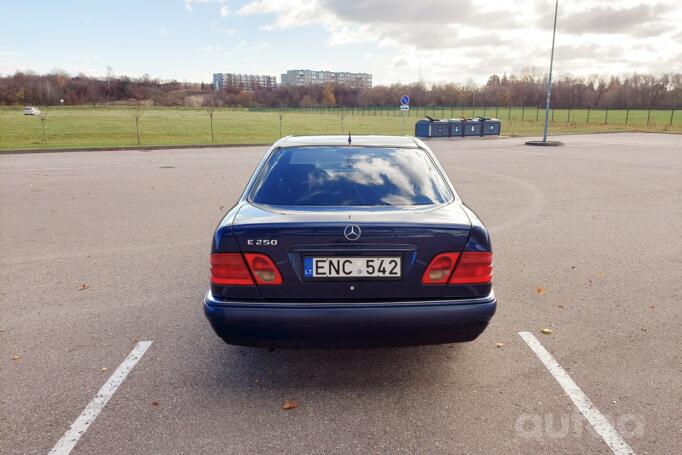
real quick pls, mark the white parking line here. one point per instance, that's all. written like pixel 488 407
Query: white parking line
pixel 66 444
pixel 579 399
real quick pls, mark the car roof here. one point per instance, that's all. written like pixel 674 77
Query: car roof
pixel 342 140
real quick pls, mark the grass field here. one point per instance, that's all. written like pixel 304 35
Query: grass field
pixel 76 127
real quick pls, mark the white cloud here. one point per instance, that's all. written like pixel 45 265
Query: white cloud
pixel 458 39
pixel 163 31
pixel 224 11
pixel 189 4
pixel 288 14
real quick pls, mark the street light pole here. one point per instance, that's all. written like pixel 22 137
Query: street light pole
pixel 549 78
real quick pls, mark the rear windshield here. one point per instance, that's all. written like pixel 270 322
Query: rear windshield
pixel 350 176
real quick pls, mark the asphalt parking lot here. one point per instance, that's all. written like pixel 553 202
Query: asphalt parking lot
pixel 103 250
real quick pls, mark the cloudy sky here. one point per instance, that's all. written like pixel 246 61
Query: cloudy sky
pixel 395 40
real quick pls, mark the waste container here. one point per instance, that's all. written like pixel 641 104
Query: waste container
pixel 430 127
pixel 422 128
pixel 456 127
pixel 473 127
pixel 440 128
pixel 479 126
pixel 491 127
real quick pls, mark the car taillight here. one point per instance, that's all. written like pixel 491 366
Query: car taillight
pixel 473 268
pixel 229 269
pixel 440 268
pixel 264 270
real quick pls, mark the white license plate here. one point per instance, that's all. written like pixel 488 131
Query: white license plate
pixel 351 267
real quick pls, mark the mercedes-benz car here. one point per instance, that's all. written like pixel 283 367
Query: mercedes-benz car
pixel 350 241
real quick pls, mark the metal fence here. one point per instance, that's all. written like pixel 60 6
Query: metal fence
pixel 599 116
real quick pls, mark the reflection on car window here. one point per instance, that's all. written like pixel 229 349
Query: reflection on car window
pixel 350 176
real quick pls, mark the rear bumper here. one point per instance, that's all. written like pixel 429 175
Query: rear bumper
pixel 349 325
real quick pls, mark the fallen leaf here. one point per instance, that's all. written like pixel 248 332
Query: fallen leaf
pixel 16 357
pixel 601 274
pixel 546 331
pixel 499 345
pixel 540 290
pixel 221 207
pixel 156 403
pixel 561 306
pixel 105 369
pixel 83 286
pixel 289 404
pixel 572 267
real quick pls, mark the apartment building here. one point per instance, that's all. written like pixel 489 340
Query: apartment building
pixel 222 81
pixel 310 77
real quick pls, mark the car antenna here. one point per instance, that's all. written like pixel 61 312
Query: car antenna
pixel 349 138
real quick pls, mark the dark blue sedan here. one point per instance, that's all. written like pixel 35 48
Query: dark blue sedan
pixel 358 241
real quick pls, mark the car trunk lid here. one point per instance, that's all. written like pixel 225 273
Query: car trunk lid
pixel 288 236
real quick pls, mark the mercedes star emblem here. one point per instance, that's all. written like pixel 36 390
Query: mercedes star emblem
pixel 352 232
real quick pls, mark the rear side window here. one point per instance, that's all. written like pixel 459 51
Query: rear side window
pixel 350 176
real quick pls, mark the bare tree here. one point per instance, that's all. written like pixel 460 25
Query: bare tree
pixel 44 113
pixel 138 112
pixel 281 117
pixel 210 110
pixel 636 91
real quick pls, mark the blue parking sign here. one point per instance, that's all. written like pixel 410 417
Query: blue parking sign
pixel 404 99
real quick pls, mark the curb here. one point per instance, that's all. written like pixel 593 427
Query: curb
pixel 203 146
pixel 445 138
pixel 577 133
pixel 140 148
